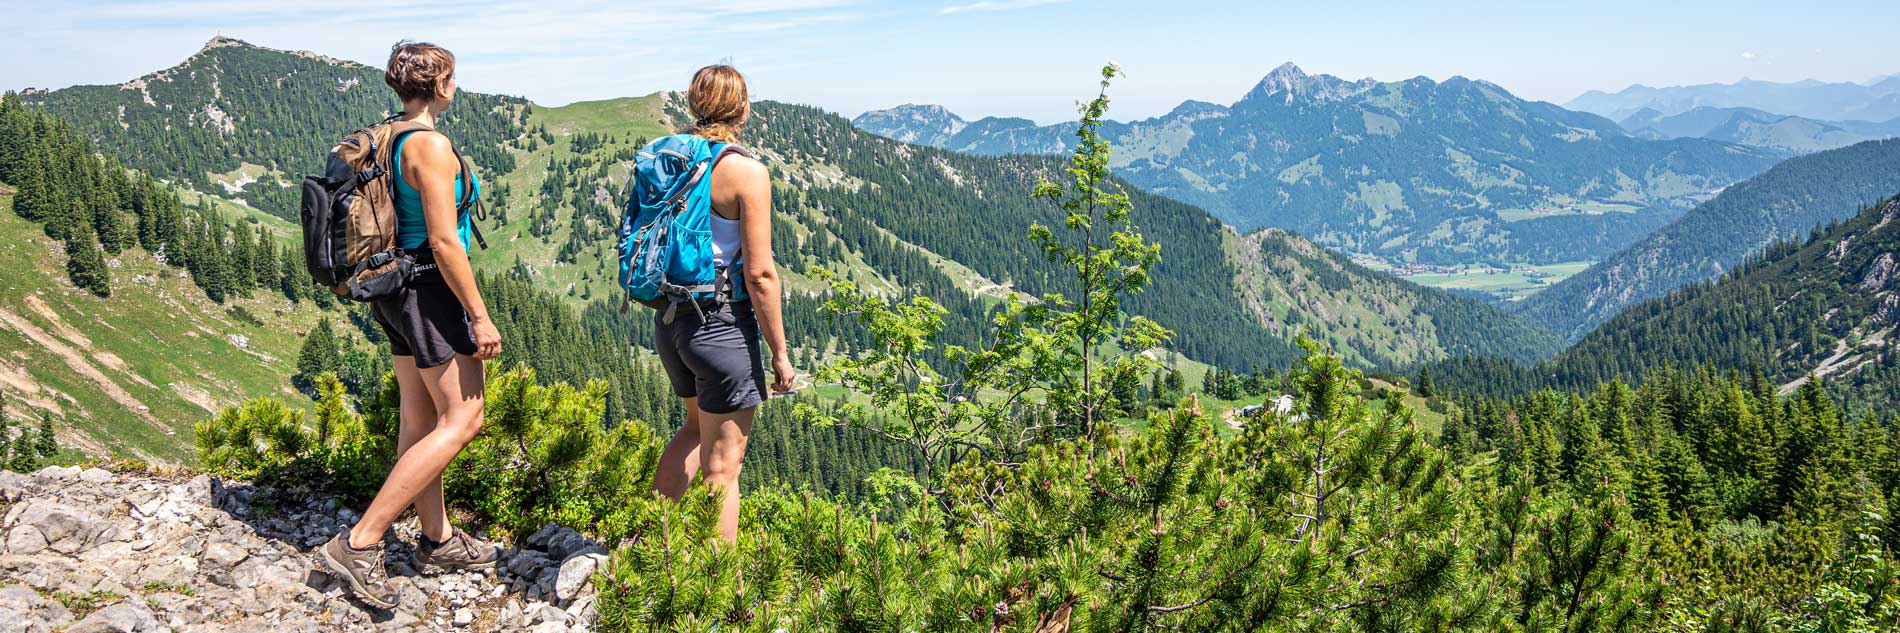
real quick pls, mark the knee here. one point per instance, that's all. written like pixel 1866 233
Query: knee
pixel 720 470
pixel 463 428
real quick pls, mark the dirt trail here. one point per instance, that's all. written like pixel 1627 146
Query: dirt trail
pixel 196 396
pixel 59 325
pixel 76 360
pixel 26 389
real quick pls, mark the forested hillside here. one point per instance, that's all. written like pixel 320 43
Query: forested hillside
pixel 130 309
pixel 1452 172
pixel 249 123
pixel 1825 308
pixel 1784 203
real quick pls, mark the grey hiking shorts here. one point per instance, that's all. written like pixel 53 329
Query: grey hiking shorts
pixel 715 357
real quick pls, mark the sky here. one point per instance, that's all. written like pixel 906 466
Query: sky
pixel 1028 58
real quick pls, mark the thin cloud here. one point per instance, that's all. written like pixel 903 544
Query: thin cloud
pixel 997 5
pixel 1750 55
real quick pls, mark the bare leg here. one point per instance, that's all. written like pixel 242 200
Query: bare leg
pixel 456 389
pixel 680 459
pixel 723 439
pixel 418 419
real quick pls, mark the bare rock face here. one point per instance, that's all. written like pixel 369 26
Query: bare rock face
pixel 1878 272
pixel 132 553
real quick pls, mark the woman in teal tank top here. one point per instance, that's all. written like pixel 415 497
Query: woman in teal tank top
pixel 439 334
pixel 411 230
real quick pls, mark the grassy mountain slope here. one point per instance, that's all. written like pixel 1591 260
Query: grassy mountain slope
pixel 129 374
pixel 1297 285
pixel 1783 203
pixel 1448 172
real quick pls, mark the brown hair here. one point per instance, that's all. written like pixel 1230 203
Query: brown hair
pixel 417 69
pixel 718 101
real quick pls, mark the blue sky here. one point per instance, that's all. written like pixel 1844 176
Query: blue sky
pixel 1030 58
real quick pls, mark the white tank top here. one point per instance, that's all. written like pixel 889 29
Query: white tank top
pixel 725 241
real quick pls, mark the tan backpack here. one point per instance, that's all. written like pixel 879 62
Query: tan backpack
pixel 349 215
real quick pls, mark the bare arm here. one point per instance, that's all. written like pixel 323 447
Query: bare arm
pixel 429 165
pixel 742 183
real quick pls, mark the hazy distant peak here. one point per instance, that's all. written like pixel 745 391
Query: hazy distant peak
pixel 1289 82
pixel 1192 108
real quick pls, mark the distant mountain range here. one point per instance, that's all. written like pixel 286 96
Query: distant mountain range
pixel 1878 100
pixel 1784 203
pixel 1458 171
pixel 1757 128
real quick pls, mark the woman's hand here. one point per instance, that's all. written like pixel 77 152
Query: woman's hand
pixel 487 338
pixel 783 374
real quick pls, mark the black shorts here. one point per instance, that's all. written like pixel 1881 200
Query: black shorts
pixel 715 358
pixel 426 321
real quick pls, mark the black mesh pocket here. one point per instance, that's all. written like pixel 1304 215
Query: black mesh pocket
pixel 376 282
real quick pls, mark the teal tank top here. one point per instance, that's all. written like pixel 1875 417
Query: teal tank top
pixel 411 231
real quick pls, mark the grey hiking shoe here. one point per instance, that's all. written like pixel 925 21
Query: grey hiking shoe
pixel 360 570
pixel 460 551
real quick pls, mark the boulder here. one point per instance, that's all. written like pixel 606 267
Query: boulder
pixel 124 617
pixel 576 575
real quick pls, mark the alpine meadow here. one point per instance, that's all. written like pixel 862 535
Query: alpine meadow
pixel 1337 355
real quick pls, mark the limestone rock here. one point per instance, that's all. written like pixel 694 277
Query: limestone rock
pixel 201 555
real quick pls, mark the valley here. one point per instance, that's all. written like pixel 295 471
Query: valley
pixel 1453 172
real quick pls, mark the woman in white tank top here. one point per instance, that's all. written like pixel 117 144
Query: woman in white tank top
pixel 725 241
pixel 714 360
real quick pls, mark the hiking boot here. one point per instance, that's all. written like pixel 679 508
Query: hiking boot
pixel 459 551
pixel 360 570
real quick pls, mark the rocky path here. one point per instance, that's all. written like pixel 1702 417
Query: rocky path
pixel 90 550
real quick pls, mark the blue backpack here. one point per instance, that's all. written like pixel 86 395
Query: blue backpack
pixel 666 256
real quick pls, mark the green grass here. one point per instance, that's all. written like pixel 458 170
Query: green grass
pixel 1504 284
pixel 83 604
pixel 1563 207
pixel 129 375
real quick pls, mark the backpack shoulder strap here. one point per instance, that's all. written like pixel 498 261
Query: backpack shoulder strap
pixel 720 150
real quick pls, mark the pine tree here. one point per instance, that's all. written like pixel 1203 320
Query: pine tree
pixel 86 266
pixel 47 444
pixel 291 280
pixel 1423 385
pixel 34 198
pixel 16 138
pixel 319 355
pixel 264 267
pixel 242 268
pixel 109 221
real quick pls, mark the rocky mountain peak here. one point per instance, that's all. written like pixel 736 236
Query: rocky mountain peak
pixel 1288 83
pixel 220 41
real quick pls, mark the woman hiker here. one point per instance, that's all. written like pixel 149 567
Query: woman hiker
pixel 439 333
pixel 712 356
